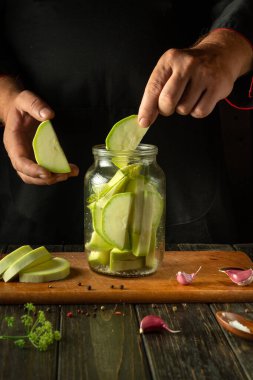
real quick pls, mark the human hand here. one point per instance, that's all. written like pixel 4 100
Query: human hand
pixel 25 112
pixel 192 81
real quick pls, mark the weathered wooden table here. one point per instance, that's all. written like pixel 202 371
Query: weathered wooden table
pixel 104 343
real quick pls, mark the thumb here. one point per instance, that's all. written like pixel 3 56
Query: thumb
pixel 36 107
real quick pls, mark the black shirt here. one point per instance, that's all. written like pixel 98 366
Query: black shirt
pixel 90 62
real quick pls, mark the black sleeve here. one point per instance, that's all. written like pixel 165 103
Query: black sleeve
pixel 238 16
pixel 8 65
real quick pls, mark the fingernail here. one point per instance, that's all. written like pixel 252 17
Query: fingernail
pixel 144 122
pixel 44 112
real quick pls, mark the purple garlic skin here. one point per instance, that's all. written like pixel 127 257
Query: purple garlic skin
pixel 186 278
pixel 152 323
pixel 240 277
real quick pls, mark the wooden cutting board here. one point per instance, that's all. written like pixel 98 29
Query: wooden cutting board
pixel 210 285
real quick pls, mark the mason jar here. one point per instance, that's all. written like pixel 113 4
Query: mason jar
pixel 124 218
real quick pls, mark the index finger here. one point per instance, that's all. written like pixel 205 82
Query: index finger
pixel 148 110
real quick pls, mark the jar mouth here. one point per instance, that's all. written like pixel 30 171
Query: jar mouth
pixel 141 150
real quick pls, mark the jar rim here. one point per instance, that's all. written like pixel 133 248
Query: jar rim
pixel 142 150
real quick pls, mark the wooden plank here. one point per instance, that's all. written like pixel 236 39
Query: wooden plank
pixel 27 363
pixel 241 347
pixel 73 248
pixel 198 363
pixel 172 247
pixel 102 345
pixel 209 286
pixel 247 248
pixel 199 351
pixel 205 247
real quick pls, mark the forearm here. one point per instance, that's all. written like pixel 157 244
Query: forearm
pixel 9 89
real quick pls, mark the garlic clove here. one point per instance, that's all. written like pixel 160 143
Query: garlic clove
pixel 186 278
pixel 240 277
pixel 152 323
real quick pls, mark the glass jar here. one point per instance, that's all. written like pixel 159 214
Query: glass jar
pixel 124 222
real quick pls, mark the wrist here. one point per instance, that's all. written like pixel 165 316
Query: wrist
pixel 235 48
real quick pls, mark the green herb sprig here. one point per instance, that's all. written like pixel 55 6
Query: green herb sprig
pixel 38 330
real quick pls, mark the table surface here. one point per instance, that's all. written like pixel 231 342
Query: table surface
pixel 103 341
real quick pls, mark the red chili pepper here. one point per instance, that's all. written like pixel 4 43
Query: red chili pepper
pixel 69 314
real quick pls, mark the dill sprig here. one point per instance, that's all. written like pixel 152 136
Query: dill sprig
pixel 38 330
